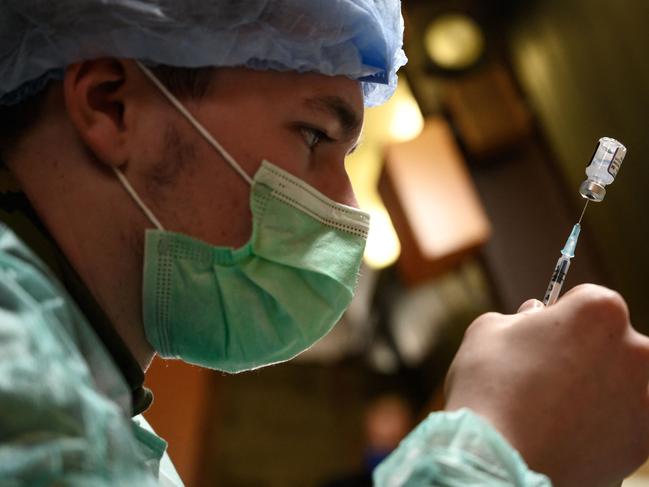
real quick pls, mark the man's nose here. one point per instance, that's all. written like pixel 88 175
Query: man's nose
pixel 336 185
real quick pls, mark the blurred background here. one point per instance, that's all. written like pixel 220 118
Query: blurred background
pixel 471 175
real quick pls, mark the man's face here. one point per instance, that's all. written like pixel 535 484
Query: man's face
pixel 304 123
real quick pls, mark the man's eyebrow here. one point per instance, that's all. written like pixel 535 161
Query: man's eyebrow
pixel 349 119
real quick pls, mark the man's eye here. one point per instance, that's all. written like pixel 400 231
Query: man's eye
pixel 313 136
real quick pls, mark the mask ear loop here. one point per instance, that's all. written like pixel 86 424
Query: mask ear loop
pixel 129 189
pixel 190 118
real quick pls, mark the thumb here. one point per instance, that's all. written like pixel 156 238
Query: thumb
pixel 531 306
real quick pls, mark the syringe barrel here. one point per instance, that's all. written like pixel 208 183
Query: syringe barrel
pixel 556 281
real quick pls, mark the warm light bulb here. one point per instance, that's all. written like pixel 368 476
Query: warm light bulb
pixel 383 247
pixel 398 120
pixel 407 121
pixel 454 41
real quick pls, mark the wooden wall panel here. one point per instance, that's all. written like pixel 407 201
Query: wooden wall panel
pixel 182 396
pixel 432 202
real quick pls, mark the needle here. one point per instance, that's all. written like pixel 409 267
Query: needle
pixel 563 264
pixel 583 211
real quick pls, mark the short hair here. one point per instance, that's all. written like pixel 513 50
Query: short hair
pixel 16 120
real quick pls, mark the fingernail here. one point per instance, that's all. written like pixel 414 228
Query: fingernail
pixel 531 305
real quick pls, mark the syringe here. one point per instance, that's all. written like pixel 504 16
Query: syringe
pixel 563 264
pixel 600 172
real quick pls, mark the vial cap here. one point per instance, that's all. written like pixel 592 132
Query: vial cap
pixel 592 191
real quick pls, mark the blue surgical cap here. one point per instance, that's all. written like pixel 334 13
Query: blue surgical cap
pixel 360 39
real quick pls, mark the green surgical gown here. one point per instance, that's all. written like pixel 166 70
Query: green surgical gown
pixel 456 449
pixel 64 405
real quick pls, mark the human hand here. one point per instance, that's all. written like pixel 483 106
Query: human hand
pixel 566 385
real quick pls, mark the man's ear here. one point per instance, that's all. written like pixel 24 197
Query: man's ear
pixel 95 98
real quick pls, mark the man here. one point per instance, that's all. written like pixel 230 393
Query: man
pixel 205 214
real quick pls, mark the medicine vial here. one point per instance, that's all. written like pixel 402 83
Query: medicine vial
pixel 602 169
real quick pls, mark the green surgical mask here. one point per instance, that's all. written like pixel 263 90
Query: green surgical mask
pixel 266 302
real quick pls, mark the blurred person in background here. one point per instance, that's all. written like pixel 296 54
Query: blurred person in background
pixel 387 420
pixel 180 189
